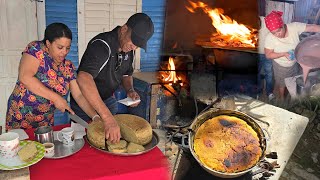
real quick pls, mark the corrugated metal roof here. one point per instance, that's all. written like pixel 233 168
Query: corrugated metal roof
pixel 156 10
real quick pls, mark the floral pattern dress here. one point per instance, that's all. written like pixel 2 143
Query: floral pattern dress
pixel 27 110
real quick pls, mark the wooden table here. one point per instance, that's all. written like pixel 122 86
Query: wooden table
pixel 89 163
pixel 286 128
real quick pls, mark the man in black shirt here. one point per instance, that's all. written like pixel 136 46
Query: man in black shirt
pixel 106 64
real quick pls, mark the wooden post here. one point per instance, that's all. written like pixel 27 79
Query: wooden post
pixel 153 105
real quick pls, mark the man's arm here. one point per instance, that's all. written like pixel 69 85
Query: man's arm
pixel 90 92
pixel 127 83
pixel 81 100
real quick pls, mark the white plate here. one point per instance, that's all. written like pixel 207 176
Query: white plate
pixel 16 163
pixel 128 101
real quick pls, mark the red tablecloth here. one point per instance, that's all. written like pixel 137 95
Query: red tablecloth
pixel 90 163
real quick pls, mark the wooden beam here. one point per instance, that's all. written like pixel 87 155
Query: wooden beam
pixel 153 105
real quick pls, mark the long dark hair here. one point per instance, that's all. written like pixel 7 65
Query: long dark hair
pixel 55 31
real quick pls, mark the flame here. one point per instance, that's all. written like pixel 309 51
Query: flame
pixel 175 45
pixel 227 28
pixel 172 77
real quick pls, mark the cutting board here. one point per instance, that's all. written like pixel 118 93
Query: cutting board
pixel 19 174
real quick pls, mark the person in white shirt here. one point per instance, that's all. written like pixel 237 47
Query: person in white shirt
pixel 282 40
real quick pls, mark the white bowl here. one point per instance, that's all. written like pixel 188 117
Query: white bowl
pixel 9 144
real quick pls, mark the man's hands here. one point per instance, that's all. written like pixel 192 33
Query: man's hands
pixel 112 130
pixel 134 96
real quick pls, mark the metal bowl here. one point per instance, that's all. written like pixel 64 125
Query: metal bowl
pixel 148 147
pixel 308 47
pixel 213 113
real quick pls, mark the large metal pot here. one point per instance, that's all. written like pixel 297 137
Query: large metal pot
pixel 239 61
pixel 307 88
pixel 198 121
pixel 309 47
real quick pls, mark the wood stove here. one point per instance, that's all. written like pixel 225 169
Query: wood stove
pixel 236 69
pixel 230 36
pixel 162 103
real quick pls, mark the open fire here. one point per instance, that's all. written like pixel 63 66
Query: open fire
pixel 173 76
pixel 229 32
pixel 169 75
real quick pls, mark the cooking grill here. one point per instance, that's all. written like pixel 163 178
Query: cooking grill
pixel 235 67
pixel 210 45
pixel 229 57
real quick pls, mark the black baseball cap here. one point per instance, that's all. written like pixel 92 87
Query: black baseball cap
pixel 142 29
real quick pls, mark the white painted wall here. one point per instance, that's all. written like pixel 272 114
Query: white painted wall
pixel 18 27
pixel 22 21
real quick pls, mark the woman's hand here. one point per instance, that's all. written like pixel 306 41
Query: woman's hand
pixel 287 55
pixel 62 104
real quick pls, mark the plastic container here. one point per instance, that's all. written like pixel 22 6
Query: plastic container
pixel 292 56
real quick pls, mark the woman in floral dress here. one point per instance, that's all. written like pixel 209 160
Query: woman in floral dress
pixel 45 79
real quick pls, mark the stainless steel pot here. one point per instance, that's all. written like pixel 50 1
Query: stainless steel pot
pixel 198 121
pixel 305 89
pixel 309 46
pixel 44 134
pixel 302 88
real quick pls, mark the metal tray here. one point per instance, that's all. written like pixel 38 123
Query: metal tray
pixel 148 147
pixel 62 151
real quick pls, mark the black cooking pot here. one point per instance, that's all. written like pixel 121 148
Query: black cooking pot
pixel 239 61
pixel 198 121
